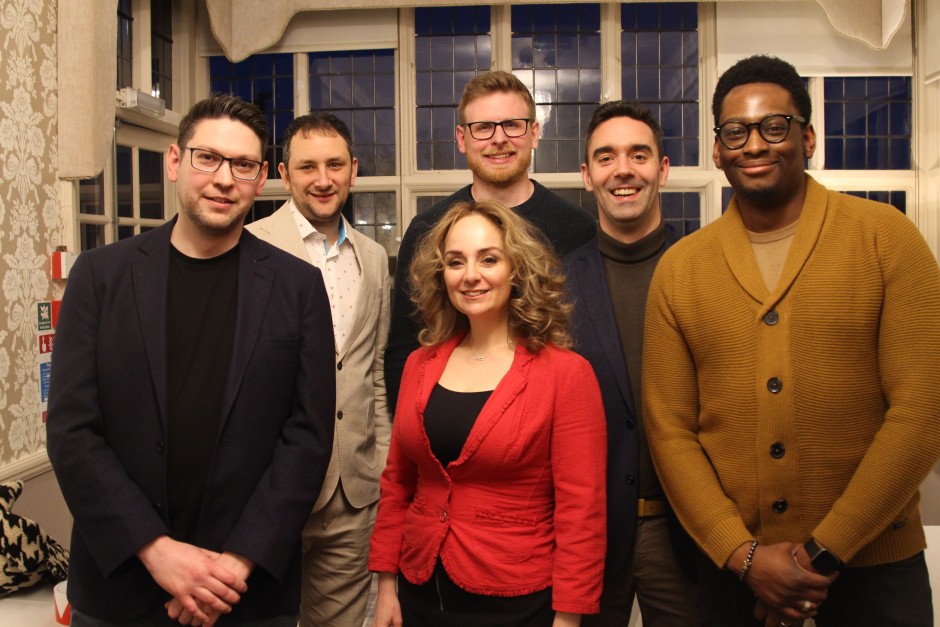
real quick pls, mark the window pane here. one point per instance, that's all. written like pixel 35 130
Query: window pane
pixel 263 208
pixel 682 210
pixel 359 88
pixel 375 215
pixel 161 42
pixel 151 184
pixel 125 181
pixel 868 123
pixel 91 196
pixel 124 44
pixel 451 45
pixel 659 45
pixel 556 54
pixel 897 199
pixel 267 81
pixel 92 235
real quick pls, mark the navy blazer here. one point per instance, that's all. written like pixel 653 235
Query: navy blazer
pixel 597 339
pixel 107 422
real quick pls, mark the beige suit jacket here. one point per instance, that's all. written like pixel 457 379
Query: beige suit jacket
pixel 362 419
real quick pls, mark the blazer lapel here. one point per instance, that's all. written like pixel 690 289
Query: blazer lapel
pixel 592 291
pixel 254 288
pixel 365 300
pixel 149 275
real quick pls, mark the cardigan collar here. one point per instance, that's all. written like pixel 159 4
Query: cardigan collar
pixel 740 256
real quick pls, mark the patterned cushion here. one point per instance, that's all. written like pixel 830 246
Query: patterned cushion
pixel 27 555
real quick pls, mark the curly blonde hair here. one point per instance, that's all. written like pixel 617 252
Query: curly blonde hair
pixel 538 310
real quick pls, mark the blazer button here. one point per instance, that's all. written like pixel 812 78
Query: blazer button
pixel 158 506
pixel 161 447
pixel 777 450
pixel 339 366
pixel 771 318
pixel 339 415
pixel 631 479
pixel 444 516
pixel 774 384
pixel 780 506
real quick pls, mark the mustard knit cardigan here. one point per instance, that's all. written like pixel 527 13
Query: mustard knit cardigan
pixel 812 410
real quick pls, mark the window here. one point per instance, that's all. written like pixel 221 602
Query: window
pixel 267 80
pixel 556 53
pixel 125 62
pixel 868 123
pixel 451 45
pixel 359 88
pixel 660 69
pixel 161 46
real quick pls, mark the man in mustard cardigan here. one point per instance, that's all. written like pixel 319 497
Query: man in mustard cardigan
pixel 791 406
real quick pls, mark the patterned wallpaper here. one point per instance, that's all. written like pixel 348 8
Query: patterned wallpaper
pixel 30 220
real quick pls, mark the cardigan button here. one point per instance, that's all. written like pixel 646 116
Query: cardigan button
pixel 774 384
pixel 780 506
pixel 771 318
pixel 777 450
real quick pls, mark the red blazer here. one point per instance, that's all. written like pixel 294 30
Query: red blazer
pixel 524 506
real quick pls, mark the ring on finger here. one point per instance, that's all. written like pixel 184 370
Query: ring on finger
pixel 807 606
pixel 784 623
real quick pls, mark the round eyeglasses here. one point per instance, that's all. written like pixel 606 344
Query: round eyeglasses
pixel 208 161
pixel 515 127
pixel 773 128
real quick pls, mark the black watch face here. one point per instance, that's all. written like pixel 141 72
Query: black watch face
pixel 825 562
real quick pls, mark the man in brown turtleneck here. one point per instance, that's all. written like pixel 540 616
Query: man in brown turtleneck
pixel 608 279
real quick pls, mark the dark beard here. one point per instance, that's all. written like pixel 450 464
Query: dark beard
pixel 764 196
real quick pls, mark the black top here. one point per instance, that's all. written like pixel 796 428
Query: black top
pixel 565 225
pixel 448 419
pixel 200 325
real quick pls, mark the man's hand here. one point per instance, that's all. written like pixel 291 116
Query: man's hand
pixel 237 564
pixel 194 577
pixel 782 586
pixel 387 609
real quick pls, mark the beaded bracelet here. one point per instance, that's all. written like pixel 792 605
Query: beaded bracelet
pixel 747 561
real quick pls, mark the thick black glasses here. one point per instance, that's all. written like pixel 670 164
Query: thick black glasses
pixel 208 161
pixel 774 129
pixel 516 127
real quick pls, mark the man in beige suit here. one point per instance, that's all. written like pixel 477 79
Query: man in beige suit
pixel 319 170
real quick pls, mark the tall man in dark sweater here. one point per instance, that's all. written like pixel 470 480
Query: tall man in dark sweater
pixel 608 279
pixel 498 132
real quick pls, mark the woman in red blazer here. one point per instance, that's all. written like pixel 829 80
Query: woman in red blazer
pixel 492 507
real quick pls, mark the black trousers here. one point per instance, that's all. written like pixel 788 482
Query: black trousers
pixel 441 602
pixel 888 595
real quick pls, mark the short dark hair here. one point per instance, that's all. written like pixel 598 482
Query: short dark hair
pixel 763 69
pixel 323 123
pixel 624 109
pixel 219 106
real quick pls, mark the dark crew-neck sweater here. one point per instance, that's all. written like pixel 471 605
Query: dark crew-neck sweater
pixel 565 225
pixel 200 328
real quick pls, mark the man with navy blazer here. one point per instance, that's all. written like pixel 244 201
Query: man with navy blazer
pixel 190 415
pixel 608 279
pixel 319 170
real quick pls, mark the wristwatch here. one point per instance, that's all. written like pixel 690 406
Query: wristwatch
pixel 822 560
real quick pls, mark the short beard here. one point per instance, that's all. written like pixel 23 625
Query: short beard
pixel 502 177
pixel 761 197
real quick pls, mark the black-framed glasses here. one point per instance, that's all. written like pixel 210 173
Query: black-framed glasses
pixel 773 128
pixel 208 161
pixel 516 127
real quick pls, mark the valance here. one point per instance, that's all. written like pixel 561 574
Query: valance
pixel 243 27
